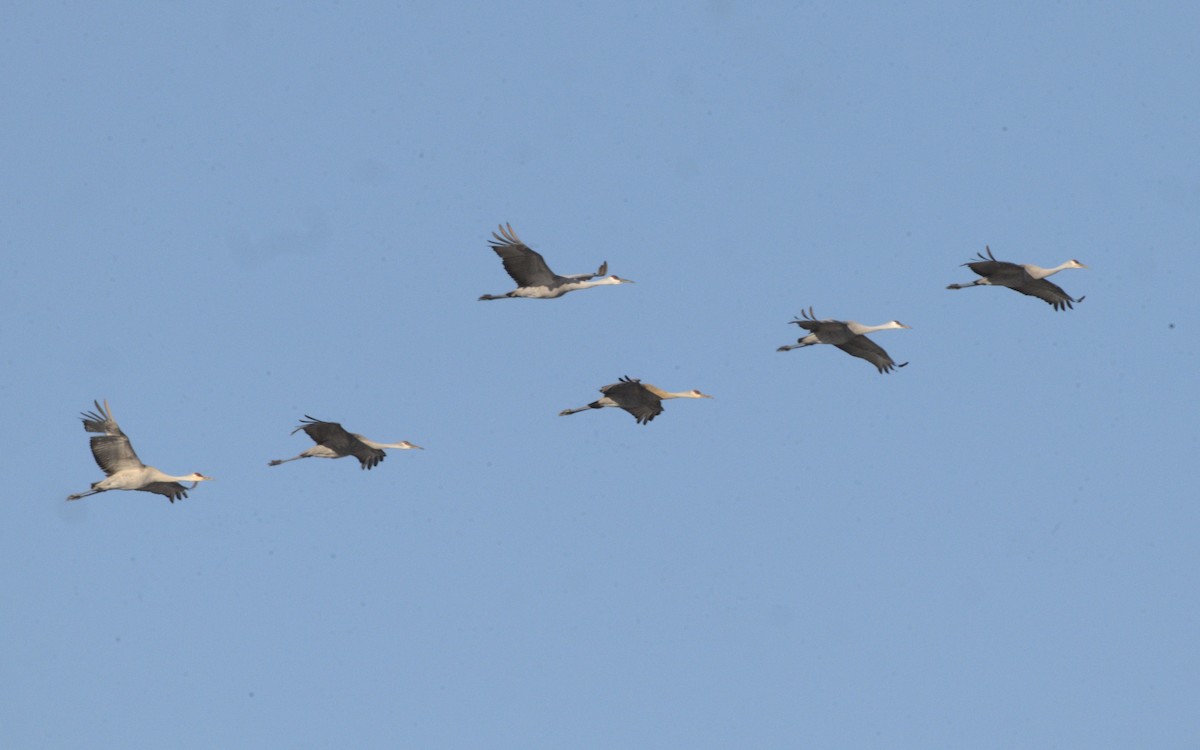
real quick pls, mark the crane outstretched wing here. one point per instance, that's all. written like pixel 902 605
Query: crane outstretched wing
pixel 809 325
pixel 589 276
pixel 172 490
pixel 329 434
pixel 1048 291
pixel 112 450
pixel 864 348
pixel 525 265
pixel 827 328
pixel 994 268
pixel 988 266
pixel 336 438
pixel 633 397
pixel 367 456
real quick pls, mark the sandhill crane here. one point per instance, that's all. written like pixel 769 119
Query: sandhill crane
pixel 847 335
pixel 642 400
pixel 534 278
pixel 1022 277
pixel 333 441
pixel 114 454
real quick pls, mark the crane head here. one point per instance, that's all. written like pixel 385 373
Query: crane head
pixel 897 324
pixel 614 279
pixel 196 478
pixel 697 394
pixel 1075 264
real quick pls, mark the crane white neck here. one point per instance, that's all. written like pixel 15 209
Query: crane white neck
pixel 673 394
pixel 402 445
pixel 159 476
pixel 860 329
pixel 606 281
pixel 1038 272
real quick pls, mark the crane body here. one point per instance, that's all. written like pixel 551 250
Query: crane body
pixel 848 335
pixel 1025 278
pixel 642 400
pixel 534 278
pixel 114 454
pixel 334 441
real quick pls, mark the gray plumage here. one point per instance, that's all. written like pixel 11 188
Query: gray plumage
pixel 534 278
pixel 847 335
pixel 115 456
pixel 1024 278
pixel 642 400
pixel 334 441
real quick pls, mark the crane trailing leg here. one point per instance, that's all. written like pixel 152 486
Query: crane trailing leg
pixel 593 405
pixel 81 495
pixel 277 461
pixel 789 347
pixel 976 282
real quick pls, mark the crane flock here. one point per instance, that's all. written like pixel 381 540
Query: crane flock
pixel 123 469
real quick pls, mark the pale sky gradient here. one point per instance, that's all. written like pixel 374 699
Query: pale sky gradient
pixel 224 216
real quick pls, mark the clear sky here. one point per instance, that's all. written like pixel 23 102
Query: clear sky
pixel 224 216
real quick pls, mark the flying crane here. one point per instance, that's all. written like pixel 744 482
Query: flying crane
pixel 642 400
pixel 1021 277
pixel 333 441
pixel 534 278
pixel 115 456
pixel 847 335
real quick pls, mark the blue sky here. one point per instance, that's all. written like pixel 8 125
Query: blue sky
pixel 224 217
